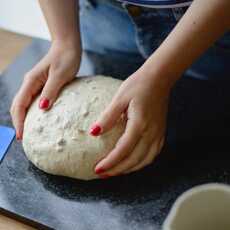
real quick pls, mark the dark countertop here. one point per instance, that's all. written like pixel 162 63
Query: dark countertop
pixel 197 151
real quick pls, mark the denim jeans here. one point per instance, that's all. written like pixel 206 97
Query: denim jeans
pixel 119 37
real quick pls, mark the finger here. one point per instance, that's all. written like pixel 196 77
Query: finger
pixel 152 154
pixel 52 88
pixel 146 161
pixel 18 111
pixel 109 117
pixel 23 99
pixel 124 147
pixel 35 79
pixel 139 153
pixel 18 120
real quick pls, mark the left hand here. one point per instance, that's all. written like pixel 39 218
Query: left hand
pixel 146 103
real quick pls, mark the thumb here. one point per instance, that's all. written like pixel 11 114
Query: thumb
pixel 50 91
pixel 109 117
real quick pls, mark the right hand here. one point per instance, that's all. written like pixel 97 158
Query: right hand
pixel 56 69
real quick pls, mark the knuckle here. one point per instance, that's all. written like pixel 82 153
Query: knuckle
pixel 105 114
pixel 141 124
pixel 119 142
pixel 115 172
pixel 119 99
pixel 151 158
pixel 28 76
pixel 116 106
pixel 136 160
pixel 56 64
pixel 18 104
pixel 138 122
pixel 57 74
pixel 121 155
pixel 58 79
pixel 48 92
pixel 147 138
pixel 21 106
pixel 136 168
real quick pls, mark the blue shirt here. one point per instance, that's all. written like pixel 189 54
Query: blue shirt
pixel 159 3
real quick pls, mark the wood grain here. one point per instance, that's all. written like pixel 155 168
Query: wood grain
pixel 11 45
pixel 10 224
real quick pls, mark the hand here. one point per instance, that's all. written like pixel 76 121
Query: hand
pixel 57 68
pixel 146 103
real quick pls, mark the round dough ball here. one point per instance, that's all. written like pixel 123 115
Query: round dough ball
pixel 58 141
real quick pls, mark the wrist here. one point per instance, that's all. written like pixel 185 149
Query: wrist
pixel 160 73
pixel 68 44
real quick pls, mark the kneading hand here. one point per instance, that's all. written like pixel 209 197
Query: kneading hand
pixel 145 104
pixel 55 70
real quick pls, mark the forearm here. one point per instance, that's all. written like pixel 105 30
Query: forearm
pixel 204 22
pixel 63 19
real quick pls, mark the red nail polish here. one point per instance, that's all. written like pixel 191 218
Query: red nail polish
pixel 18 136
pixel 99 170
pixel 95 130
pixel 104 176
pixel 44 103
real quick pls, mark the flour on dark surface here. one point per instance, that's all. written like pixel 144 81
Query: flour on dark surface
pixel 196 152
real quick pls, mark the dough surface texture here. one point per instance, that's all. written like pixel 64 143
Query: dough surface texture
pixel 58 141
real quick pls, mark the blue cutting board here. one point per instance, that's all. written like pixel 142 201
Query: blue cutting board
pixel 6 137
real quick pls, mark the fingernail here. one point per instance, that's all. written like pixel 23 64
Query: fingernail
pixel 18 136
pixel 99 170
pixel 95 130
pixel 44 103
pixel 104 176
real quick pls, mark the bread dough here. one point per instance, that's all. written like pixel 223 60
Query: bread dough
pixel 58 141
